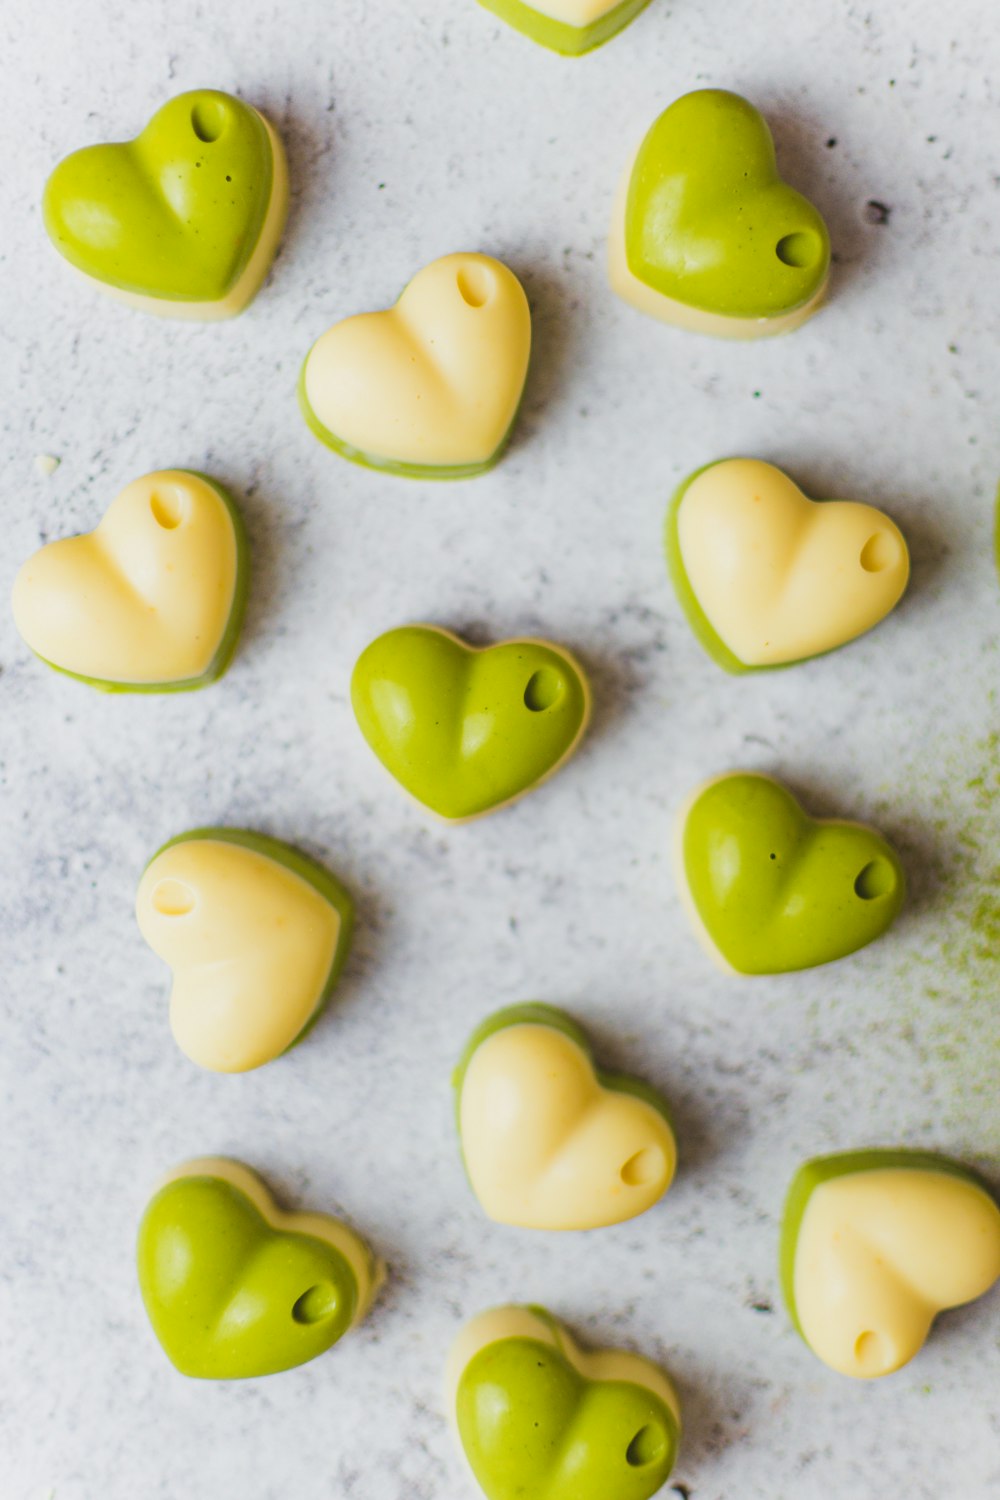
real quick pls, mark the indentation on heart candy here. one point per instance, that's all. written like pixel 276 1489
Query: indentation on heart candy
pixel 647 1447
pixel 881 551
pixel 800 250
pixel 644 1167
pixel 475 284
pixel 870 1352
pixel 876 880
pixel 316 1303
pixel 169 506
pixel 543 691
pixel 173 898
pixel 208 119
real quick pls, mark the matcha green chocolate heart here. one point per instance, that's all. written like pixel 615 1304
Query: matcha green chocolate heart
pixel 709 223
pixel 234 1287
pixel 770 889
pixel 183 220
pixel 539 1418
pixel 466 730
pixel 570 27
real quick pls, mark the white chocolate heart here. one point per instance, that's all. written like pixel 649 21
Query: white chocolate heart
pixel 778 576
pixel 435 380
pixel 144 599
pixel 251 945
pixel 879 1253
pixel 547 1146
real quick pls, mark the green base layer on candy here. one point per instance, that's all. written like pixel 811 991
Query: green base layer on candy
pixel 825 1169
pixel 230 637
pixel 309 870
pixel 559 36
pixel 534 1013
pixel 393 465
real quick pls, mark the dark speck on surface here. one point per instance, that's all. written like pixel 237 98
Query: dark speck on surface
pixel 876 212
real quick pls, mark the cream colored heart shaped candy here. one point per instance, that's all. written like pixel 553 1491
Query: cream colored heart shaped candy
pixel 768 576
pixel 548 1142
pixel 874 1245
pixel 431 386
pixel 256 935
pixel 152 599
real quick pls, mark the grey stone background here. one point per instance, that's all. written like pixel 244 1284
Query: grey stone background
pixel 415 130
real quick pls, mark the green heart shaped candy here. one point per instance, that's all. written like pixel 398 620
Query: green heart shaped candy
pixel 771 889
pixel 709 223
pixel 562 32
pixel 183 220
pixel 234 1287
pixel 538 1417
pixel 463 729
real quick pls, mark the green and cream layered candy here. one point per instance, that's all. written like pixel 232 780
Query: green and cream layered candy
pixel 234 1287
pixel 185 219
pixel 538 1417
pixel 570 27
pixel 706 235
pixel 874 1244
pixel 468 729
pixel 152 600
pixel 769 889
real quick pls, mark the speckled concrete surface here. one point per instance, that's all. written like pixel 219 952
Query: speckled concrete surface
pixel 414 130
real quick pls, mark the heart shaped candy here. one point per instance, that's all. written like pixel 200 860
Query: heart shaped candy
pixel 184 220
pixel 256 935
pixel 548 1142
pixel 152 600
pixel 767 576
pixel 770 889
pixel 538 1417
pixel 706 235
pixel 874 1244
pixel 234 1287
pixel 569 27
pixel 429 388
pixel 464 729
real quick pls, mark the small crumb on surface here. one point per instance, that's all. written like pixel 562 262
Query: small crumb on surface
pixel 46 464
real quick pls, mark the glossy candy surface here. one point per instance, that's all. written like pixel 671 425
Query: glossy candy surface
pixel 570 27
pixel 767 576
pixel 466 730
pixel 537 1417
pixel 234 1287
pixel 770 889
pixel 706 234
pixel 185 219
pixel 874 1244
pixel 255 934
pixel 152 600
pixel 549 1142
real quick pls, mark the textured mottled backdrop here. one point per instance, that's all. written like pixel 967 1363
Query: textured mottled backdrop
pixel 415 129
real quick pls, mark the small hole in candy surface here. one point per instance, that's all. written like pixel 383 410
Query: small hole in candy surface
pixel 169 507
pixel 877 879
pixel 316 1303
pixel 643 1168
pixel 475 284
pixel 543 691
pixel 647 1447
pixel 870 1352
pixel 208 119
pixel 799 250
pixel 879 552
pixel 172 898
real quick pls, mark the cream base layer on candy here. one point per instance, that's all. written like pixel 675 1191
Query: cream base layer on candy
pixel 197 523
pixel 514 1322
pixel 521 640
pixel 369 1272
pixel 647 299
pixel 262 1032
pixel 252 278
pixel 881 1236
